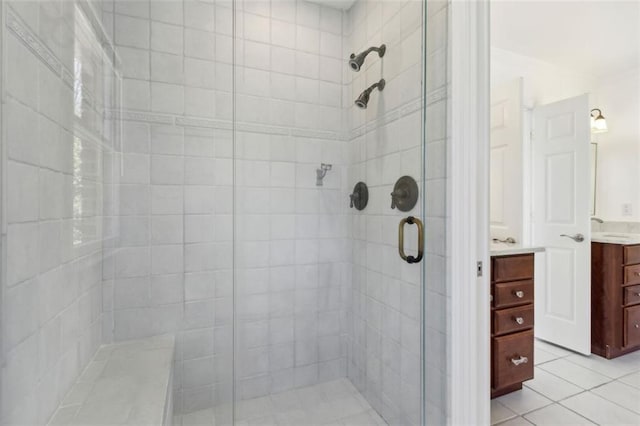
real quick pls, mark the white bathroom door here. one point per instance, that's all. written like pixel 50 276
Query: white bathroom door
pixel 561 223
pixel 505 205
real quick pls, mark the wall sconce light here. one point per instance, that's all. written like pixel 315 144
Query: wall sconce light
pixel 598 122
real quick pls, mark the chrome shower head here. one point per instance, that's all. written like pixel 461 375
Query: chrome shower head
pixel 356 61
pixel 363 99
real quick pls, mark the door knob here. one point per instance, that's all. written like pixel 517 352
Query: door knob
pixel 578 238
pixel 508 240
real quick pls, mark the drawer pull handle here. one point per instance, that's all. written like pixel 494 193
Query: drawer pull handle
pixel 519 294
pixel 637 274
pixel 638 294
pixel 521 360
pixel 637 325
pixel 519 320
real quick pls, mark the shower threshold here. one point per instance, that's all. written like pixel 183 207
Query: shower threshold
pixel 332 403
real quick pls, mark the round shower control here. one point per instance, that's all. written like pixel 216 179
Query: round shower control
pixel 360 196
pixel 405 194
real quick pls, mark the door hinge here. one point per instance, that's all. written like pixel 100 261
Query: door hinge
pixel 479 269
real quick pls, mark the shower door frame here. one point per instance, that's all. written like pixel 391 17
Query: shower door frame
pixel 3 200
pixel 468 236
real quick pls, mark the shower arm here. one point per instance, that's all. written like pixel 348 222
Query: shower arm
pixel 369 50
pixel 379 50
pixel 378 84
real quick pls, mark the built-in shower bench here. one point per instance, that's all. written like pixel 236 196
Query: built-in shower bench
pixel 125 383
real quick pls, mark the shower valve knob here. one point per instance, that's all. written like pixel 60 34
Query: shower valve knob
pixel 353 197
pixel 397 194
pixel 405 194
pixel 359 197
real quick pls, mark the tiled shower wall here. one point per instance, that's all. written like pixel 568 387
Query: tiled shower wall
pixel 385 144
pixel 57 81
pixel 292 246
pixel 172 269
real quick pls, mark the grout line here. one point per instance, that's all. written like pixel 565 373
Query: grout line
pixel 614 402
pixel 560 405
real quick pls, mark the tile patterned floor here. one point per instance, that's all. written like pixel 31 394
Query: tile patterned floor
pixel 573 389
pixel 336 403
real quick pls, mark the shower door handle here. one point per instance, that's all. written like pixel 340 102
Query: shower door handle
pixel 411 221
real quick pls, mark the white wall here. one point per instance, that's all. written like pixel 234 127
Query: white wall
pixel 618 176
pixel 543 82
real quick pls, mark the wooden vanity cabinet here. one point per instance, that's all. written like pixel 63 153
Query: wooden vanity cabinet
pixel 511 322
pixel 615 299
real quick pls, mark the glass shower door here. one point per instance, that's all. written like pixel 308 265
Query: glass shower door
pixel 329 317
pixel 292 241
pixel 386 145
pixel 172 267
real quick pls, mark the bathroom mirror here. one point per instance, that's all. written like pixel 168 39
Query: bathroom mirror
pixel 594 170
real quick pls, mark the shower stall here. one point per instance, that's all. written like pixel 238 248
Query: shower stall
pixel 264 180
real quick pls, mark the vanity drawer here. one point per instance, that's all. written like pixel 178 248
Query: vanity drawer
pixel 632 326
pixel 631 254
pixel 512 268
pixel 632 274
pixel 632 295
pixel 513 293
pixel 512 359
pixel 512 319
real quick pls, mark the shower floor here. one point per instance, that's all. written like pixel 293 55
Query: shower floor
pixel 333 403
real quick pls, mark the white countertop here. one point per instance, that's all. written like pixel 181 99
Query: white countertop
pixel 615 238
pixel 505 249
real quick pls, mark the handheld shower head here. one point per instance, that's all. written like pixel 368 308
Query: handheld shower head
pixel 356 61
pixel 363 99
